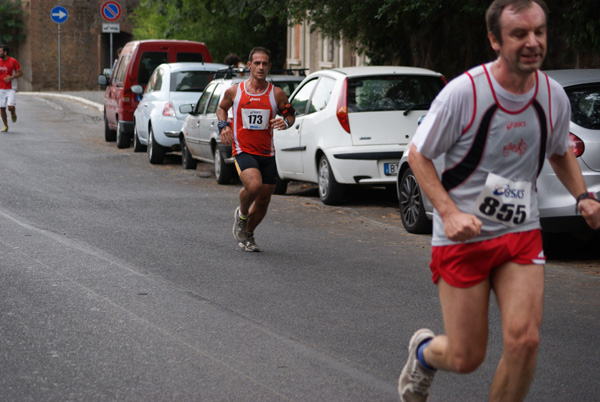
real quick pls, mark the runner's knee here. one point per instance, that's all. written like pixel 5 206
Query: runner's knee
pixel 467 361
pixel 521 342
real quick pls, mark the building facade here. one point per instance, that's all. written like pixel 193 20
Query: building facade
pixel 314 51
pixel 84 48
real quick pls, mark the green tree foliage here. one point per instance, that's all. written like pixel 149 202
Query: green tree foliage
pixel 225 26
pixel 445 35
pixel 11 21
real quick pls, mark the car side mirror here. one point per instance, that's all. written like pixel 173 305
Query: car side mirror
pixel 137 89
pixel 186 108
pixel 103 80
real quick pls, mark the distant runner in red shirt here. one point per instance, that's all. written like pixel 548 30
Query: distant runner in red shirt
pixel 255 104
pixel 10 69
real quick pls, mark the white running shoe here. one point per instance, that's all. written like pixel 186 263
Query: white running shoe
pixel 415 380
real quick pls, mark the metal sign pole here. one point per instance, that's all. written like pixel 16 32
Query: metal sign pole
pixel 111 52
pixel 58 57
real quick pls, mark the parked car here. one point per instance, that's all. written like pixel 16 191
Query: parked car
pixel 137 61
pixel 159 117
pixel 199 135
pixel 556 204
pixel 352 126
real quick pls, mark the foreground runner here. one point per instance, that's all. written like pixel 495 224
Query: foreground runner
pixel 486 233
pixel 255 103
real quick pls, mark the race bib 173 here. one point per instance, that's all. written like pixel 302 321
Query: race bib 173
pixel 255 119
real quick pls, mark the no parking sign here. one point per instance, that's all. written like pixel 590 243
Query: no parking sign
pixel 110 10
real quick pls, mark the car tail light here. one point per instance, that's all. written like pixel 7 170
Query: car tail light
pixel 168 109
pixel 127 95
pixel 342 107
pixel 576 144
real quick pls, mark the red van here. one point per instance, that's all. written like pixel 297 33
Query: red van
pixel 137 61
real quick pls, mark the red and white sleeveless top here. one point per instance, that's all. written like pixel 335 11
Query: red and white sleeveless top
pixel 252 113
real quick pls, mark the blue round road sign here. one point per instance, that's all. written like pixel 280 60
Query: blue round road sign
pixel 111 11
pixel 59 14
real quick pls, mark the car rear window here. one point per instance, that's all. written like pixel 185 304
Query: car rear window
pixel 585 105
pixel 394 92
pixel 183 57
pixel 190 81
pixel 148 62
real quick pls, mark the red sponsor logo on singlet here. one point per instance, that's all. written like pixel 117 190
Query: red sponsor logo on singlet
pixel 519 148
pixel 515 124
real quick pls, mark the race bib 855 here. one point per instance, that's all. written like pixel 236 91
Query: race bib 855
pixel 504 201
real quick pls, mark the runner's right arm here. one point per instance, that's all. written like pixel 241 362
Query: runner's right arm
pixel 458 226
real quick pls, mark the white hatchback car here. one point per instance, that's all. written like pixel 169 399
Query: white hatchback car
pixel 352 126
pixel 158 117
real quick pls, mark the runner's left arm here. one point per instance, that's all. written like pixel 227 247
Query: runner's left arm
pixel 286 110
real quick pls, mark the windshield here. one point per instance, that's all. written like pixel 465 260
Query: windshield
pixel 393 92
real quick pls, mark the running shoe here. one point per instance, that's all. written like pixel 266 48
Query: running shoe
pixel 13 116
pixel 249 244
pixel 415 380
pixel 5 129
pixel 239 226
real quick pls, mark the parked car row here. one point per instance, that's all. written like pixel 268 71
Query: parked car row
pixel 556 204
pixel 353 125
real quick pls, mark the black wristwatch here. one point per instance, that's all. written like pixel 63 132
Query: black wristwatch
pixel 584 196
pixel 222 124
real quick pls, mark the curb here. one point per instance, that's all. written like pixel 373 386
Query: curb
pixel 87 102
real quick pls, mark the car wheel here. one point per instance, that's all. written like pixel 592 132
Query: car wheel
pixel 156 153
pixel 222 170
pixel 330 191
pixel 109 135
pixel 186 157
pixel 123 139
pixel 412 210
pixel 137 145
pixel 280 185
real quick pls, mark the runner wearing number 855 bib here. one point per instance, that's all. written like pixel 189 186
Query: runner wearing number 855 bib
pixel 494 125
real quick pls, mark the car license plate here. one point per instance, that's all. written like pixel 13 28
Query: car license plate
pixel 390 169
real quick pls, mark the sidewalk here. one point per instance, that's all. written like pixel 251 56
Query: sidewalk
pixel 91 98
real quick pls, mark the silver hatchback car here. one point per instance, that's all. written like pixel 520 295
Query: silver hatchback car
pixel 556 204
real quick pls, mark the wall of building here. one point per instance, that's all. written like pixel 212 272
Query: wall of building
pixel 314 51
pixel 84 49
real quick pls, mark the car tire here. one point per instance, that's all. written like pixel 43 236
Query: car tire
pixel 137 145
pixel 223 171
pixel 186 157
pixel 123 139
pixel 412 209
pixel 280 185
pixel 330 191
pixel 156 153
pixel 109 135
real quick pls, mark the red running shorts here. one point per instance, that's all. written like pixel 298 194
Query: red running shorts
pixel 467 264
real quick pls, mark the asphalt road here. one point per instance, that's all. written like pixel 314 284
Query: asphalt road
pixel 121 281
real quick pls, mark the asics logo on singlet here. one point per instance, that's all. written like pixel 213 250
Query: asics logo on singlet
pixel 515 124
pixel 519 148
pixel 508 192
pixel 254 99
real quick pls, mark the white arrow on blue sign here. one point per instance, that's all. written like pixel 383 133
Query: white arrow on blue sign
pixel 59 14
